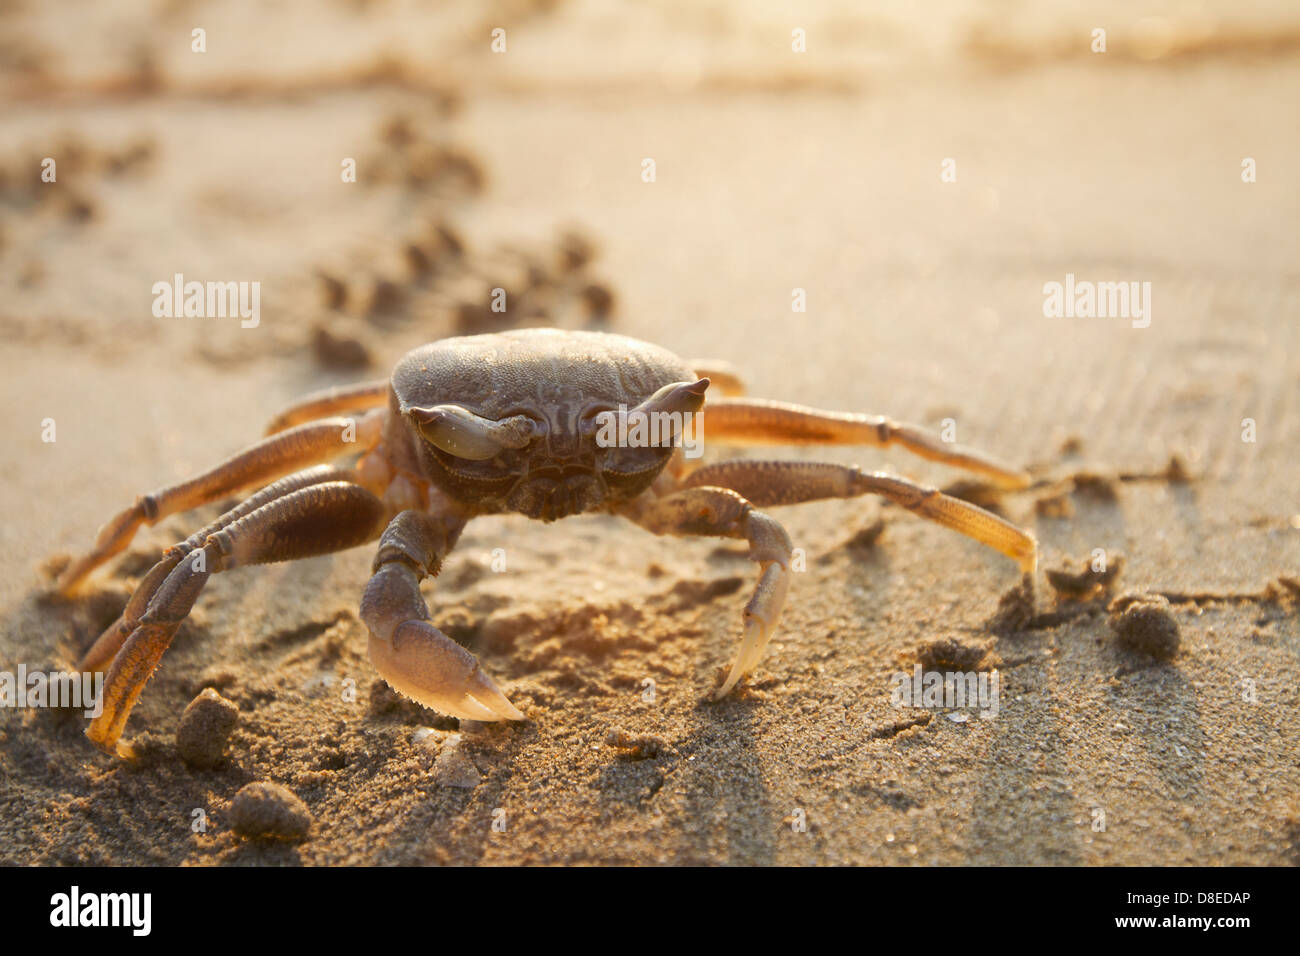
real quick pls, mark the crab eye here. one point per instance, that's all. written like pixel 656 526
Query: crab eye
pixel 460 432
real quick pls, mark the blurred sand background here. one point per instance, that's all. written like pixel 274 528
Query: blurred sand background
pixel 775 170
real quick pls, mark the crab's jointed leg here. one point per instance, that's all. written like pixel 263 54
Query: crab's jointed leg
pixel 259 464
pixel 331 401
pixel 101 653
pixel 317 519
pixel 753 421
pixel 416 658
pixel 770 483
pixel 722 512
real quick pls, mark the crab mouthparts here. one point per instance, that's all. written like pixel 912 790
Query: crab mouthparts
pixel 548 498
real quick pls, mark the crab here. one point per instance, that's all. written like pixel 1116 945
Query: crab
pixel 499 423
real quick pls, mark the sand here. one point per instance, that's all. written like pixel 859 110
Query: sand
pixel 775 171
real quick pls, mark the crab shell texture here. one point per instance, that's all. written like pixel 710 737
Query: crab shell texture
pixel 558 381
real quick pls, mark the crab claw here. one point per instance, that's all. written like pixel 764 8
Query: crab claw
pixel 761 616
pixel 427 666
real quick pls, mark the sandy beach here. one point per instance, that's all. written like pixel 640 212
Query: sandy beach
pixel 914 182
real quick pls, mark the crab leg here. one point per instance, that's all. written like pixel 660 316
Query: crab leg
pixel 331 401
pixel 416 658
pixel 269 459
pixel 724 513
pixel 318 519
pixel 101 653
pixel 788 482
pixel 755 421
